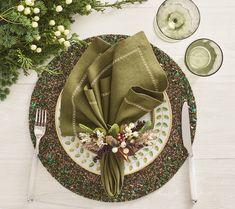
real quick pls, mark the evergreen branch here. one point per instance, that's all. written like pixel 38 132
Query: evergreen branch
pixel 7 10
pixel 25 62
pixel 25 45
pixel 9 21
pixel 118 4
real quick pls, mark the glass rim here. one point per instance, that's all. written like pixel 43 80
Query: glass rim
pixel 220 49
pixel 178 39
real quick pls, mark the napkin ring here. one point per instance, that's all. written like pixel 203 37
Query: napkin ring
pixel 124 140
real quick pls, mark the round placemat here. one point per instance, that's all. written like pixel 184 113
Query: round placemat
pixel 88 184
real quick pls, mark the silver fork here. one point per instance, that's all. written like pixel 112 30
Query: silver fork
pixel 39 131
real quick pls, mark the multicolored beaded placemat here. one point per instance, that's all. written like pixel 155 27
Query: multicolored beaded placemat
pixel 88 184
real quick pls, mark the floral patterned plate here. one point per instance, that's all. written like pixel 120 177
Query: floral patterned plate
pixel 84 158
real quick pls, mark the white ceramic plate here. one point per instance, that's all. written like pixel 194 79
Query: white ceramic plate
pixel 142 158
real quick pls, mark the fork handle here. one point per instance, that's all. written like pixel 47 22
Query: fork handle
pixel 32 177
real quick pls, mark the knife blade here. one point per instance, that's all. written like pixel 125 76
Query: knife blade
pixel 187 141
pixel 186 131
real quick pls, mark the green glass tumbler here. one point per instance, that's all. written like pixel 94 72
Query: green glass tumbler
pixel 203 57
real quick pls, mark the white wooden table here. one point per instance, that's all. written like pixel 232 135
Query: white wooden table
pixel 215 138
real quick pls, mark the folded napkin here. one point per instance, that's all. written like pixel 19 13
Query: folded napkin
pixel 112 84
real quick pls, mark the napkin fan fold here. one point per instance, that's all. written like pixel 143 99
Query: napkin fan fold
pixel 112 84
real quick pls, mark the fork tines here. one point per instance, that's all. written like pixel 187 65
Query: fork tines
pixel 41 117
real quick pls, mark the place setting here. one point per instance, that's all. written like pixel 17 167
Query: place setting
pixel 127 159
pixel 119 119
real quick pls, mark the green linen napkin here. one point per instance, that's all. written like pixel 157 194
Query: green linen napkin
pixel 112 84
pixel 112 173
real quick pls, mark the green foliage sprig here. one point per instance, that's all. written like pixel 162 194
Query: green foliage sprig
pixel 31 31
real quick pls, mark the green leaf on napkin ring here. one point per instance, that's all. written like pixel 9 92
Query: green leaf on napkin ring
pixel 114 130
pixel 146 127
pixel 85 128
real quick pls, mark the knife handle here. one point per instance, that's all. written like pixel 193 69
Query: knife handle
pixel 192 179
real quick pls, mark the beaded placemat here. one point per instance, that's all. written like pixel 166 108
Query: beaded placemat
pixel 85 183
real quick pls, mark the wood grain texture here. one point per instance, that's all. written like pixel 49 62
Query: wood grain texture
pixel 214 145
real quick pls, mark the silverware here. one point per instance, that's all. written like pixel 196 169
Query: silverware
pixel 39 131
pixel 187 140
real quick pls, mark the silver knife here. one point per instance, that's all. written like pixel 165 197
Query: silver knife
pixel 187 140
